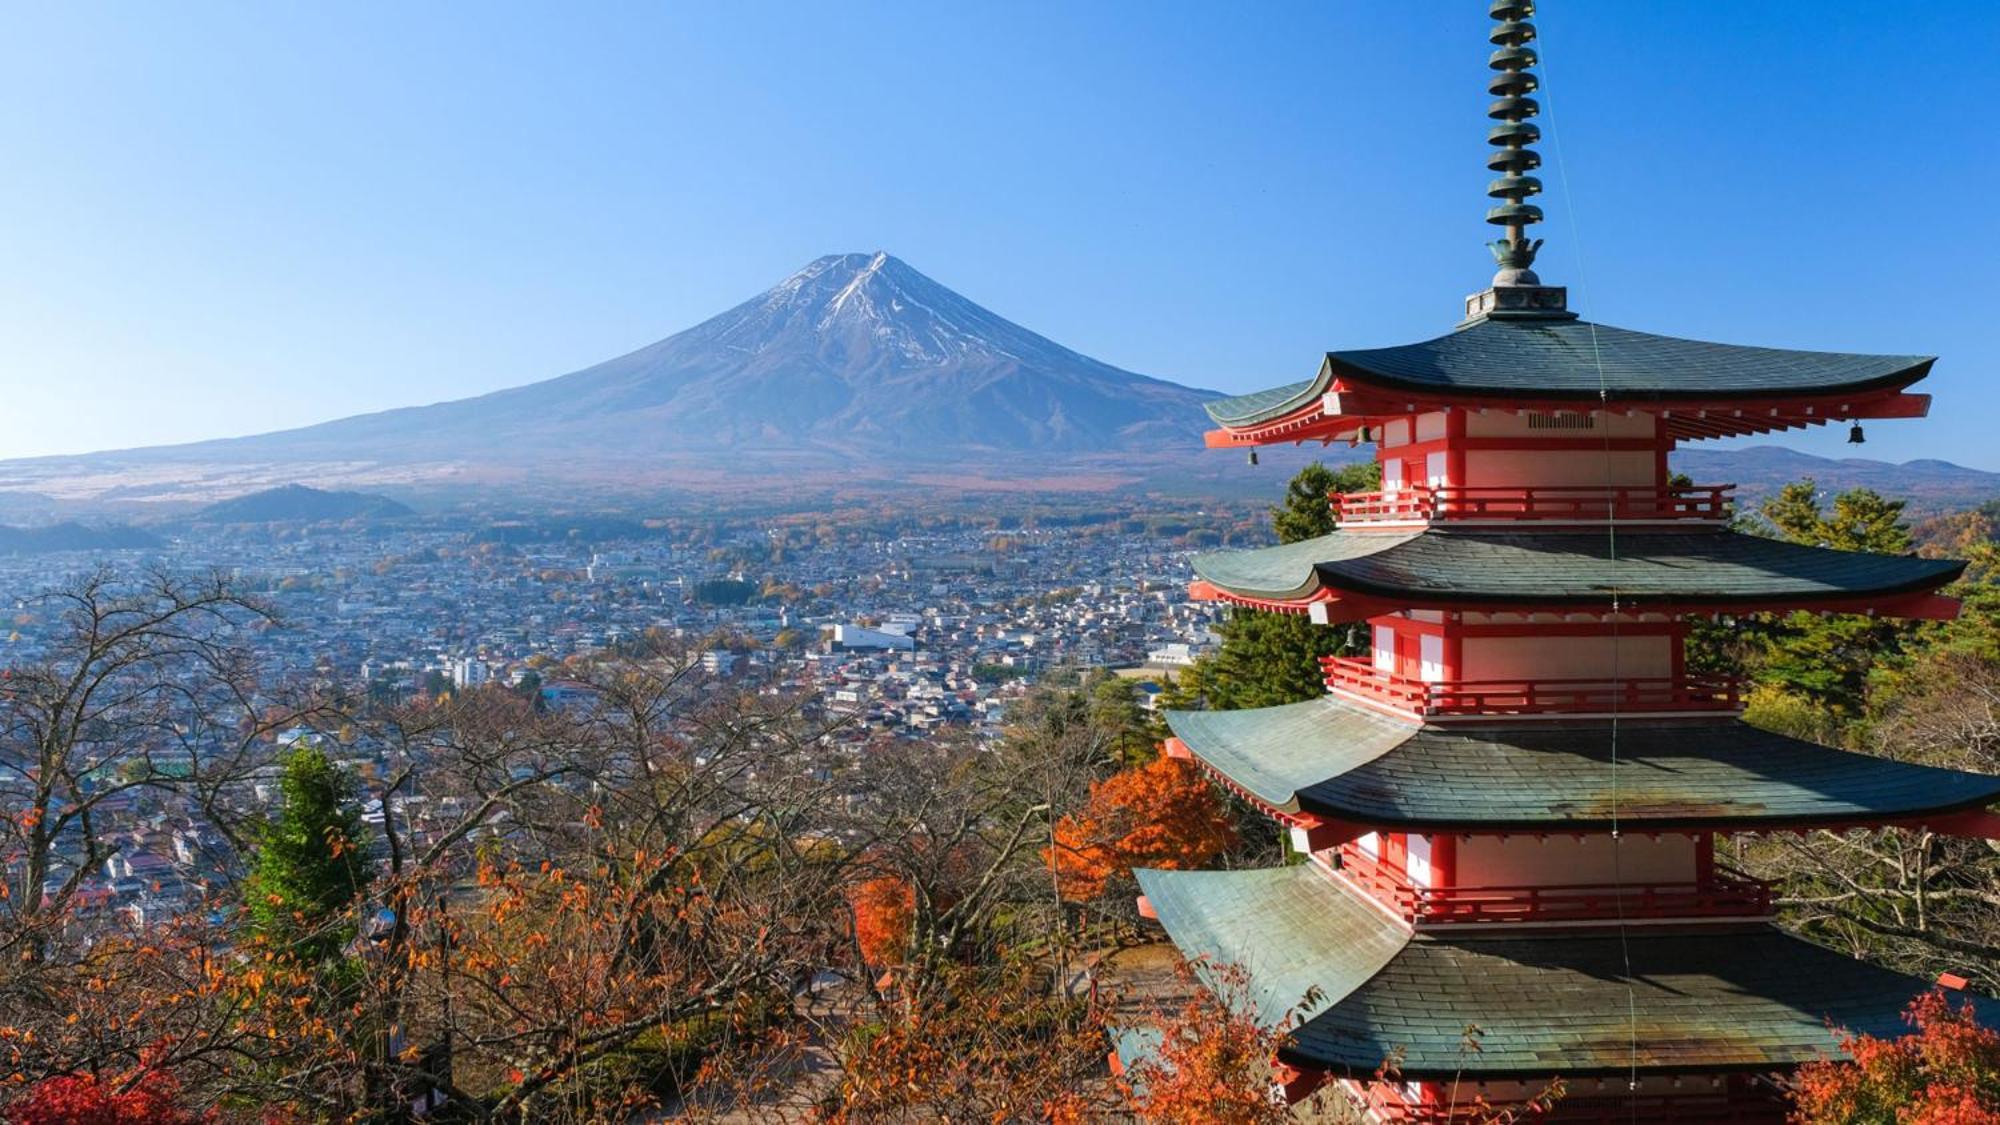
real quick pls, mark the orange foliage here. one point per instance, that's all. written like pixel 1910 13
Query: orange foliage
pixel 1162 814
pixel 1213 1061
pixel 1946 1072
pixel 884 909
pixel 994 1043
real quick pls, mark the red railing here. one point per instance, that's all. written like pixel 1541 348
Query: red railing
pixel 1691 1109
pixel 1726 893
pixel 1532 696
pixel 1579 504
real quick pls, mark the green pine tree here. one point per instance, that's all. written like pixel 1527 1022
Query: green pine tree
pixel 1115 708
pixel 1828 659
pixel 1307 512
pixel 311 865
pixel 1265 658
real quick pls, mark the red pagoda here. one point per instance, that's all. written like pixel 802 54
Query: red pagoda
pixel 1508 810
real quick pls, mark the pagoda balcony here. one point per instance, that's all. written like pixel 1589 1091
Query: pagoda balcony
pixel 1361 681
pixel 1727 893
pixel 1717 1109
pixel 1705 503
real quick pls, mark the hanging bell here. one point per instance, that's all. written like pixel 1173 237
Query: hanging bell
pixel 1855 436
pixel 1253 457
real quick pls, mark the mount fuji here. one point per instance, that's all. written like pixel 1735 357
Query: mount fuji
pixel 855 362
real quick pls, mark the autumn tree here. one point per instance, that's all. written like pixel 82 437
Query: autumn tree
pixel 148 685
pixel 884 910
pixel 995 1043
pixel 1162 814
pixel 1211 1058
pixel 1945 1071
pixel 146 1096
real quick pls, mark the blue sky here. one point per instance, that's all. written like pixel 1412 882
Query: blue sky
pixel 227 218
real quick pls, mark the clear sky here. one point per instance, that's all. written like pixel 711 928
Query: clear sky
pixel 219 219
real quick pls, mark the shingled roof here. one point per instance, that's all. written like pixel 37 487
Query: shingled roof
pixel 1328 757
pixel 1544 359
pixel 1703 999
pixel 1473 568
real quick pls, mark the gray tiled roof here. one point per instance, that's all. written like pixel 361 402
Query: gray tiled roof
pixel 1290 929
pixel 1489 567
pixel 1698 1000
pixel 1566 359
pixel 1664 774
pixel 1274 752
pixel 1328 757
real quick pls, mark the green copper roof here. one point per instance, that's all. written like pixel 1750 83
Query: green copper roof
pixel 1262 406
pixel 1487 567
pixel 1544 359
pixel 1291 929
pixel 1694 999
pixel 1276 751
pixel 1329 757
pixel 1700 1000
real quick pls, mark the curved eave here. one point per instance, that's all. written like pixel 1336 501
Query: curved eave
pixel 1704 999
pixel 1328 760
pixel 1291 930
pixel 1364 383
pixel 1270 754
pixel 1507 364
pixel 1374 572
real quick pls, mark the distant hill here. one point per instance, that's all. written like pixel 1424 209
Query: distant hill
pixel 73 537
pixel 1931 486
pixel 298 503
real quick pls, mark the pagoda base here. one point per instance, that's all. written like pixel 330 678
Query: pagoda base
pixel 1655 1003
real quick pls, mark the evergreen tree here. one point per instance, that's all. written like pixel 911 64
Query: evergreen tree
pixel 310 866
pixel 1115 708
pixel 1828 659
pixel 1307 512
pixel 1271 658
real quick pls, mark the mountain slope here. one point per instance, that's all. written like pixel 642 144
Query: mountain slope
pixel 298 503
pixel 71 536
pixel 1929 485
pixel 855 353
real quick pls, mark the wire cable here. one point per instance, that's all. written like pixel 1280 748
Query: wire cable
pixel 1611 540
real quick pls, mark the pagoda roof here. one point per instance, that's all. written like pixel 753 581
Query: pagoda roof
pixel 1347 762
pixel 1575 359
pixel 1460 568
pixel 1685 1000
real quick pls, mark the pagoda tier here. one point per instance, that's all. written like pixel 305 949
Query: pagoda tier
pixel 1334 762
pixel 1650 1003
pixel 1506 810
pixel 1695 389
pixel 1364 572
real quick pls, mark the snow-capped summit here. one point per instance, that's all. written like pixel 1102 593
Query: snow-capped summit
pixel 855 353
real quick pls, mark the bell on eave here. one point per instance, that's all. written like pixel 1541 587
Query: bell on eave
pixel 1253 457
pixel 1855 436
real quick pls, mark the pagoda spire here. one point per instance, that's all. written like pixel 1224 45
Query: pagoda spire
pixel 1513 60
pixel 1516 291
